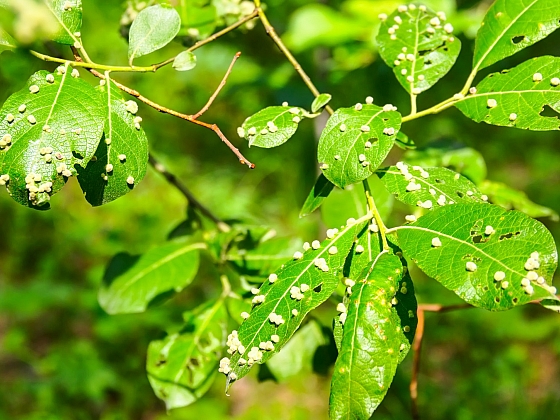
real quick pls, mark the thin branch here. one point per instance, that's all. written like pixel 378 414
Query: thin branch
pixel 212 37
pixel 87 63
pixel 218 89
pixel 272 33
pixel 417 347
pixel 169 111
pixel 193 201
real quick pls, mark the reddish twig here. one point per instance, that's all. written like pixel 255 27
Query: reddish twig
pixel 186 117
pixel 218 89
pixel 417 347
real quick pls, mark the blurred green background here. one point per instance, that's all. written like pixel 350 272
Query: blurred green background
pixel 62 357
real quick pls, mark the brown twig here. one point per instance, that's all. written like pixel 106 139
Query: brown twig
pixel 272 33
pixel 193 201
pixel 218 89
pixel 417 347
pixel 186 117
pixel 211 38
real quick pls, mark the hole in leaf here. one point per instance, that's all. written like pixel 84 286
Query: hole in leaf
pixel 508 235
pixel 77 155
pixel 477 239
pixel 427 63
pixel 515 300
pixel 193 362
pixel 517 39
pixel 547 111
pixel 385 119
pixel 318 288
pixel 460 194
pixel 440 181
pixel 485 288
pixel 161 362
pixel 497 299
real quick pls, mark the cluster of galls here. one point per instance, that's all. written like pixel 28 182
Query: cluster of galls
pixel 36 188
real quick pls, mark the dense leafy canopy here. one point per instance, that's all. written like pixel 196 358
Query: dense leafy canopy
pixel 461 234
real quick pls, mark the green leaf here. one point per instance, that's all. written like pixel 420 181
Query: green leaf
pixel 320 101
pixel 404 142
pixel 182 366
pixel 317 195
pixel 7 42
pixel 483 253
pixel 121 159
pixel 281 305
pixel 272 126
pixel 356 141
pixel 465 160
pixel 419 46
pixel 68 13
pixel 520 97
pixel 297 355
pixel 153 28
pixel 374 338
pixel 510 198
pixel 131 282
pixel 429 188
pixel 47 133
pixel 509 26
pixel 351 202
pixel 184 61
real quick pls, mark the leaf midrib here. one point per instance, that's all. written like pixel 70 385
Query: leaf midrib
pixel 160 262
pixel 499 38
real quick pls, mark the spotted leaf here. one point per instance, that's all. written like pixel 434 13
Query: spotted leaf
pixel 68 13
pixel 43 135
pixel 490 257
pixel 183 365
pixel 375 339
pixel 509 26
pixel 131 282
pixel 419 46
pixel 121 159
pixel 527 96
pixel 317 195
pixel 153 28
pixel 272 126
pixel 285 298
pixel 428 188
pixel 356 141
